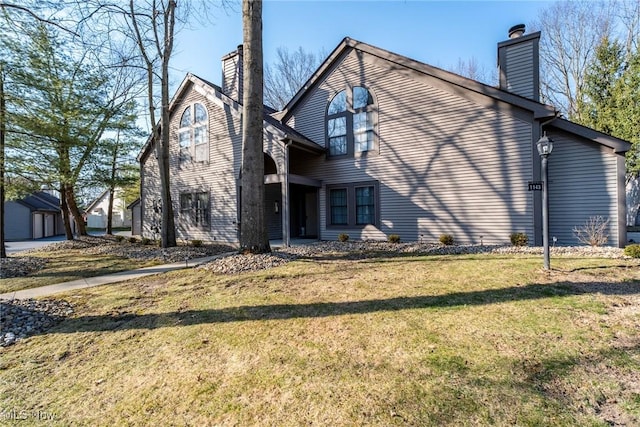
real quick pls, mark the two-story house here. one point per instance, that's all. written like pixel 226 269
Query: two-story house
pixel 376 143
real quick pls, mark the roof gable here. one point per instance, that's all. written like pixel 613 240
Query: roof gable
pixel 40 201
pixel 461 83
pixel 214 94
pixel 619 146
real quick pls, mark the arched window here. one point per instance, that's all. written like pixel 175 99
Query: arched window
pixel 351 123
pixel 193 135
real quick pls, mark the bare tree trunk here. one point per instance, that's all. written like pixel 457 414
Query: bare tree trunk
pixel 160 134
pixel 112 186
pixel 3 250
pixel 109 229
pixel 253 229
pixel 66 218
pixel 75 212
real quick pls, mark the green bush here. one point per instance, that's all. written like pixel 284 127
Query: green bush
pixel 632 250
pixel 145 240
pixel 343 237
pixel 519 239
pixel 446 239
pixel 394 238
pixel 119 238
pixel 196 243
pixel 132 239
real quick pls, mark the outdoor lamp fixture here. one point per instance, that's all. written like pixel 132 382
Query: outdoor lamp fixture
pixel 276 207
pixel 545 146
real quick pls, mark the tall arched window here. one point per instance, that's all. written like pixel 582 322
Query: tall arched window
pixel 350 122
pixel 193 135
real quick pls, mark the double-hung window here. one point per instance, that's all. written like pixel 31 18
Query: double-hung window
pixel 351 122
pixel 353 205
pixel 193 134
pixel 194 209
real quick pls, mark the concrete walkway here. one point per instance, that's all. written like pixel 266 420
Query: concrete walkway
pixel 90 282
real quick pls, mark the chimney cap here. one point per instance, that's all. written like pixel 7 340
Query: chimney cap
pixel 516 31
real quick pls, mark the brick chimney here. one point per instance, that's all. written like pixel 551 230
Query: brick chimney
pixel 232 75
pixel 519 63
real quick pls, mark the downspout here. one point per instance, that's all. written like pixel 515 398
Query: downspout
pixel 286 205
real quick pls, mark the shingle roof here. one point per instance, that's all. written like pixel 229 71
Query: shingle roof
pixel 41 201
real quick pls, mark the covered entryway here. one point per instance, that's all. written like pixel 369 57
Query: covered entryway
pixel 304 211
pixel 291 199
pixel 291 203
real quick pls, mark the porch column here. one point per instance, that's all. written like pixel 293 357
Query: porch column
pixel 285 198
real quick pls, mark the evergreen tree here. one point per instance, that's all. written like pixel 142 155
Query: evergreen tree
pixel 66 103
pixel 612 96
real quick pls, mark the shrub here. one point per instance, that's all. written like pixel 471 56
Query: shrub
pixel 593 232
pixel 343 237
pixel 633 251
pixel 145 240
pixel 196 243
pixel 519 239
pixel 446 239
pixel 119 238
pixel 394 238
pixel 132 239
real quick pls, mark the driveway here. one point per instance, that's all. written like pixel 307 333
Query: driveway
pixel 23 245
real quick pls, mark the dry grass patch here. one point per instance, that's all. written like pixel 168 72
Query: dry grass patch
pixel 447 340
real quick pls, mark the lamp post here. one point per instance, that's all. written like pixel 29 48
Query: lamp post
pixel 545 146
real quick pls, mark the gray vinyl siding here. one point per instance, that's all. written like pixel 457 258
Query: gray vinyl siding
pixel 443 164
pixel 272 192
pixel 582 184
pixel 149 193
pixel 217 176
pixel 17 221
pixel 520 69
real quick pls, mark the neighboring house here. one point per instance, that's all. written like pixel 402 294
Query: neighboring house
pixel 33 217
pixel 97 211
pixel 633 201
pixel 136 217
pixel 376 144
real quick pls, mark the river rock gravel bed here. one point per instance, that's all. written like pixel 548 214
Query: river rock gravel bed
pixel 19 266
pixel 363 250
pixel 22 318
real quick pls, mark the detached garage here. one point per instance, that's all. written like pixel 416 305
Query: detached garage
pixel 35 216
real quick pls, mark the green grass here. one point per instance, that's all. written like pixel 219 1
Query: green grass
pixel 67 265
pixel 447 340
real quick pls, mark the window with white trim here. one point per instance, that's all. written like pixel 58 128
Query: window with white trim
pixel 351 122
pixel 193 134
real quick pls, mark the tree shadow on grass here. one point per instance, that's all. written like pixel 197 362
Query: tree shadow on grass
pixel 243 313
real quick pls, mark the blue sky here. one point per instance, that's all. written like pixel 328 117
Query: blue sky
pixel 436 32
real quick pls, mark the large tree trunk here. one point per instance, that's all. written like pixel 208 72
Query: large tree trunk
pixel 3 251
pixel 66 218
pixel 253 229
pixel 109 229
pixel 75 212
pixel 168 226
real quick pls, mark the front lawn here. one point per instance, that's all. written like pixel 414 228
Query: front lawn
pixel 404 340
